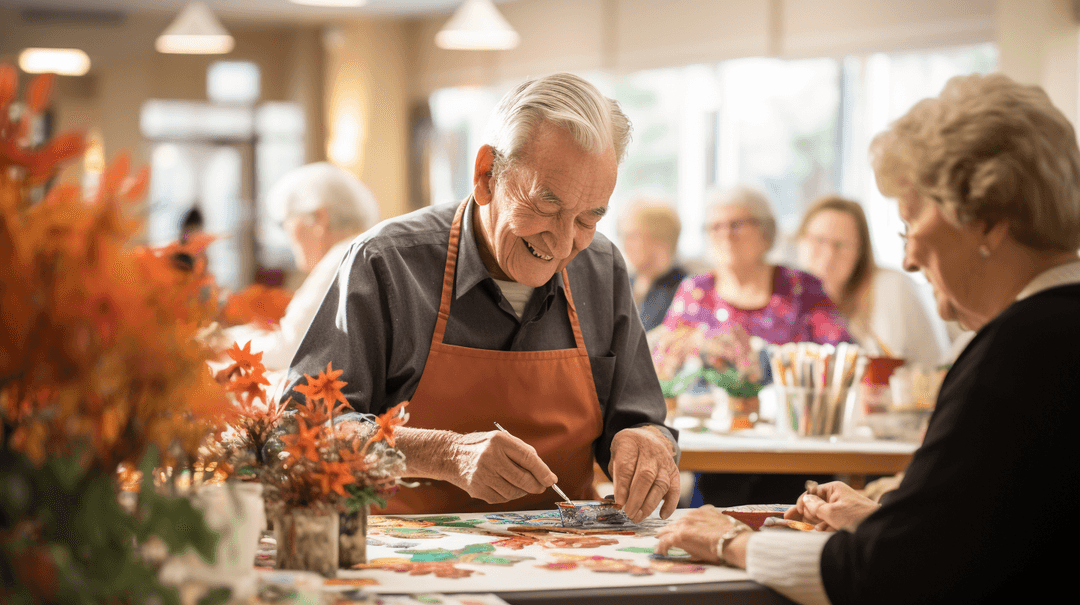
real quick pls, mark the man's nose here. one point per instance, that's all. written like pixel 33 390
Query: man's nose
pixel 560 239
pixel 909 258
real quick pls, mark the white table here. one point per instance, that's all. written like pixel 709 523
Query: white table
pixel 854 460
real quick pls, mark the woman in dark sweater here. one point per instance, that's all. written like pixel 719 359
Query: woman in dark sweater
pixel 987 177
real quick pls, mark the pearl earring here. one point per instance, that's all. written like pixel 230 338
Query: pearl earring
pixel 984 251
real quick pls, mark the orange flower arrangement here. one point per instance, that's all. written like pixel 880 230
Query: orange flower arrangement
pixel 101 368
pixel 303 459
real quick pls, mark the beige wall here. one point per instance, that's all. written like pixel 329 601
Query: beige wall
pixel 628 35
pixel 126 71
pixel 375 69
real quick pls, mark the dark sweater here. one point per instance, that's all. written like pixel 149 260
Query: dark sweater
pixel 987 508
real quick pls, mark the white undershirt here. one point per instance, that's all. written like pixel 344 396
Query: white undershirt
pixel 516 294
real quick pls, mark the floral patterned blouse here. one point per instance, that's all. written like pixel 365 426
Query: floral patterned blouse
pixel 798 310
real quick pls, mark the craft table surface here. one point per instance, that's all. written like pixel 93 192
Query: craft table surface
pixel 733 453
pixel 530 581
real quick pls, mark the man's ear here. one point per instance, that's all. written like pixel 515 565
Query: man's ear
pixel 996 234
pixel 482 182
pixel 322 220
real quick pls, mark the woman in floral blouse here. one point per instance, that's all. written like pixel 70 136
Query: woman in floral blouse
pixel 773 302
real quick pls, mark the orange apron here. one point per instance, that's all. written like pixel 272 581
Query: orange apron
pixel 545 398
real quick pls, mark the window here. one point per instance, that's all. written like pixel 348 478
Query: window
pixel 795 129
pixel 221 157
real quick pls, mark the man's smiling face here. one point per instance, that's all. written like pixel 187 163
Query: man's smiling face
pixel 543 209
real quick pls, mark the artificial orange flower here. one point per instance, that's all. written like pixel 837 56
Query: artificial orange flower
pixel 334 477
pixel 325 387
pixel 243 361
pixel 257 304
pixel 303 443
pixel 393 417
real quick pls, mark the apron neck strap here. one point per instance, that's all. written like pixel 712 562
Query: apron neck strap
pixel 448 287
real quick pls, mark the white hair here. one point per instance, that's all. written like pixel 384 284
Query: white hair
pixel 750 199
pixel 565 100
pixel 349 204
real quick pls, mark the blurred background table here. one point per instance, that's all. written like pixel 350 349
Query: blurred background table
pixel 851 461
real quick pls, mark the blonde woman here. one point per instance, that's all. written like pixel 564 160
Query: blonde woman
pixel 883 308
pixel 987 177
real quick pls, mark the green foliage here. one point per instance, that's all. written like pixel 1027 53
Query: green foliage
pixel 361 498
pixel 730 380
pixel 65 538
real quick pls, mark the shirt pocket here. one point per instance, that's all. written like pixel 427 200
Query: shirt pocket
pixel 603 371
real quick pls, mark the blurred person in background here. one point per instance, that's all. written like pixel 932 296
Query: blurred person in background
pixel 884 311
pixel 650 235
pixel 773 302
pixel 322 209
pixel 987 177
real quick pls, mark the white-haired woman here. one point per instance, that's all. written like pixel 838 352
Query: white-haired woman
pixel 987 177
pixel 773 302
pixel 322 208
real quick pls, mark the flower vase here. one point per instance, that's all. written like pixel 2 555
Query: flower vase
pixel 744 411
pixel 352 542
pixel 235 511
pixel 307 541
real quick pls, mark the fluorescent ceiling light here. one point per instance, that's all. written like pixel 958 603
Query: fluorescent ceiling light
pixel 330 2
pixel 62 61
pixel 196 31
pixel 477 25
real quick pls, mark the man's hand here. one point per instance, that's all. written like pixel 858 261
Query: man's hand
pixel 497 467
pixel 832 506
pixel 644 471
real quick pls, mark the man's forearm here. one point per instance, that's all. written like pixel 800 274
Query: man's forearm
pixel 429 453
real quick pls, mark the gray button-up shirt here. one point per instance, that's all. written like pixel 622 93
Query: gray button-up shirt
pixel 378 317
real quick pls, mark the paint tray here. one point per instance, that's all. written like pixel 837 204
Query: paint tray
pixel 592 513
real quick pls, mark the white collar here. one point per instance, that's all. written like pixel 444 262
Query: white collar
pixel 1061 275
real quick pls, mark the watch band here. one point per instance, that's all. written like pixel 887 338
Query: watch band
pixel 737 528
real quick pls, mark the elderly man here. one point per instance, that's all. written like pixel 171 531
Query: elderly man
pixel 508 308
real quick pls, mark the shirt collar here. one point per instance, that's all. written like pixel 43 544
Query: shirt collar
pixel 1061 275
pixel 470 267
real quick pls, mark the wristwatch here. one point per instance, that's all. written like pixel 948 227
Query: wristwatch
pixel 737 528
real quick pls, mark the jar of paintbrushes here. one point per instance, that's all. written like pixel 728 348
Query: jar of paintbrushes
pixel 815 387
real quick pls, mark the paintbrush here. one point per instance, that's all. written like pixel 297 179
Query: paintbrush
pixel 553 485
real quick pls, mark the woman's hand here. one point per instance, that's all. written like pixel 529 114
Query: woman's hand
pixel 831 506
pixel 696 532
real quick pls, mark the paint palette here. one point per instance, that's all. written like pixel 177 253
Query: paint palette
pixel 592 513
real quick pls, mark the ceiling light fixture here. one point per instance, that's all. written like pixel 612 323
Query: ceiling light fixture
pixel 477 25
pixel 195 31
pixel 61 61
pixel 333 3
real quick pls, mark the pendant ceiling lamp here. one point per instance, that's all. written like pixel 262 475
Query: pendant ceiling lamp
pixel 331 3
pixel 477 25
pixel 60 61
pixel 195 31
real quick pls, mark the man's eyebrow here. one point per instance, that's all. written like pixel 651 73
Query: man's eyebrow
pixel 548 196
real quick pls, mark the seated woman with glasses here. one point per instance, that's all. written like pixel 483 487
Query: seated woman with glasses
pixel 882 306
pixel 773 302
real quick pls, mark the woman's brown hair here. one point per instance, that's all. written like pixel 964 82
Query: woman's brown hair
pixel 854 299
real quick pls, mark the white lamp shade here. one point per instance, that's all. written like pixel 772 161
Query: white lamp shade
pixel 61 61
pixel 334 3
pixel 477 25
pixel 195 31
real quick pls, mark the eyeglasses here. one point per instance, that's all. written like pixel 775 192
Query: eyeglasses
pixel 837 245
pixel 735 226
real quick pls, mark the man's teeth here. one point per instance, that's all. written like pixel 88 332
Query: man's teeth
pixel 537 254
